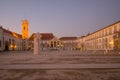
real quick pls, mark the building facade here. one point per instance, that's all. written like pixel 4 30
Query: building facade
pixel 81 43
pixel 69 43
pixel 10 40
pixel 49 42
pixel 107 38
pixel 55 44
pixel 45 39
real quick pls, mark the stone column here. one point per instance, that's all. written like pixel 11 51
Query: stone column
pixel 36 44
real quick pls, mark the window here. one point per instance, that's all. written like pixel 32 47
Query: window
pixel 102 33
pixel 9 41
pixel 0 43
pixel 115 28
pixel 3 40
pixel 24 27
pixel 105 32
pixel 110 31
pixel 119 28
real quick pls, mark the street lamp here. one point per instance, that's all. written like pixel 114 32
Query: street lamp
pixel 13 46
pixel 112 43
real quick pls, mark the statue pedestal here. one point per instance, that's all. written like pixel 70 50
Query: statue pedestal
pixel 36 44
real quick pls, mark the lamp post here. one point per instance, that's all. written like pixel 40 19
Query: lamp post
pixel 111 43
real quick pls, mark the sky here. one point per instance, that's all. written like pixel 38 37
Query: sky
pixel 60 17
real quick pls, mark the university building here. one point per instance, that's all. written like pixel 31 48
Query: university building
pixel 46 41
pixel 10 40
pixel 49 42
pixel 107 38
pixel 69 43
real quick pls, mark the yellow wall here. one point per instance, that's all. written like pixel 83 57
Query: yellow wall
pixel 25 32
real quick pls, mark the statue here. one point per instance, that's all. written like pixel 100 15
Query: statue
pixel 36 43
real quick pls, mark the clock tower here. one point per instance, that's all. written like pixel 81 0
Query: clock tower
pixel 25 32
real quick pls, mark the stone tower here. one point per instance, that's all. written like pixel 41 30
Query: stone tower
pixel 25 32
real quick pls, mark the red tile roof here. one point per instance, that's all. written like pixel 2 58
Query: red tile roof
pixel 7 31
pixel 31 38
pixel 103 28
pixel 68 38
pixel 11 33
pixel 44 36
pixel 17 35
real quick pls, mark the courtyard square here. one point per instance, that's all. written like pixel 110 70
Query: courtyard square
pixel 58 57
pixel 62 63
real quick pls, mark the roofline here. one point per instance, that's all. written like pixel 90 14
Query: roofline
pixel 104 28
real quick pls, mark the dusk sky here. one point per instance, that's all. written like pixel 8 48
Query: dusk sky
pixel 60 17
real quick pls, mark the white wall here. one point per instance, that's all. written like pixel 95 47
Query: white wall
pixel 1 39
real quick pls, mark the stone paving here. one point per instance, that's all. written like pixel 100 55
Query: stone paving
pixel 67 59
pixel 61 66
pixel 57 57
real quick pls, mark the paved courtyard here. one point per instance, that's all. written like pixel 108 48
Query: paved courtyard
pixel 59 65
pixel 57 57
